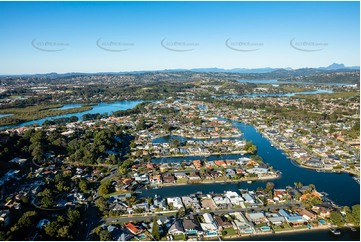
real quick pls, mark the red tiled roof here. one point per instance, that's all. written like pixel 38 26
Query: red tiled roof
pixel 133 229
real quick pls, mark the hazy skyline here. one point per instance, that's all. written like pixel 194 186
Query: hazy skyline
pixel 42 37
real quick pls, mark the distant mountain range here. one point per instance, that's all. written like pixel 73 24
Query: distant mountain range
pixel 333 67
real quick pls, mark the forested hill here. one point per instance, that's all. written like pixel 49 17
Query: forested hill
pixel 305 75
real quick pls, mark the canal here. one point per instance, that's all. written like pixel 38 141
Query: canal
pixel 342 189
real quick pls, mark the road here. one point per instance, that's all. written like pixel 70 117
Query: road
pixel 92 219
pixel 223 211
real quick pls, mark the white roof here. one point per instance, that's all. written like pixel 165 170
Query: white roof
pixel 208 226
pixel 208 218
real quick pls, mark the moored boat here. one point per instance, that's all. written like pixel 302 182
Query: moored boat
pixel 335 231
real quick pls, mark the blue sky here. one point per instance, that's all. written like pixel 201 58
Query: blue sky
pixel 42 37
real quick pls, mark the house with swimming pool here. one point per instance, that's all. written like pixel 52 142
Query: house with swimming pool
pixel 292 219
pixel 242 224
pixel 192 227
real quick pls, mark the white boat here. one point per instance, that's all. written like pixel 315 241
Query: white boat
pixel 335 231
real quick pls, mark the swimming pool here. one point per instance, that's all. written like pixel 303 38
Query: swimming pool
pixel 141 236
pixel 321 221
pixel 265 228
pixel 212 233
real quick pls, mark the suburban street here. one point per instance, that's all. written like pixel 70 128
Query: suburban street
pixel 142 218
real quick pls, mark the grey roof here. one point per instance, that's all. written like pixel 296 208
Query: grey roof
pixel 191 224
pixel 176 227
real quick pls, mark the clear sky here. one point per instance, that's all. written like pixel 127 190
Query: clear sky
pixel 42 37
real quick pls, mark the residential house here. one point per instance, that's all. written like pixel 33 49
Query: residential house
pixel 257 170
pixel 176 228
pixel 133 229
pixel 256 217
pixel 292 218
pixel 234 198
pixel 4 217
pixel 180 175
pixel 208 203
pixel 209 226
pixel 176 201
pixel 248 198
pixel 156 179
pixel 144 206
pixel 221 202
pixel 210 164
pixel 191 201
pixel 194 177
pixel 230 172
pixel 141 178
pixel 168 178
pixel 220 163
pixel 243 225
pixel 323 210
pixel 307 214
pixel 222 222
pixel 197 164
pixel 192 227
pixel 275 218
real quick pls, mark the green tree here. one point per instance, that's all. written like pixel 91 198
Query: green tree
pixel 52 229
pixel 155 229
pixel 73 216
pixel 27 219
pixel 2 236
pixel 356 214
pixel 104 235
pixel 101 204
pixel 181 213
pixel 175 142
pixel 83 185
pixel 64 232
pixel 47 202
pixel 336 218
pixel 269 186
pixel 197 121
pixel 104 188
pixel 141 124
pixel 250 147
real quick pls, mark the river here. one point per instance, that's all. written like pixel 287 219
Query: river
pixel 99 108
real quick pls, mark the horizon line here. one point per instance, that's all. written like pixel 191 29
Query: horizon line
pixel 186 69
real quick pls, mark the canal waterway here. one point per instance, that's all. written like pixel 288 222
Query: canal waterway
pixel 342 189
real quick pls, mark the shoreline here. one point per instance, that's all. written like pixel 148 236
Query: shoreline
pixel 260 234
